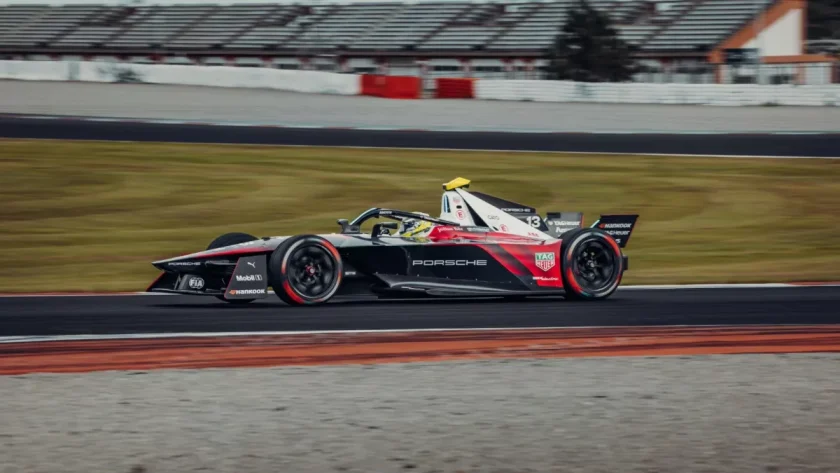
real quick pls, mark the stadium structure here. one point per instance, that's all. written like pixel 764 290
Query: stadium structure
pixel 677 41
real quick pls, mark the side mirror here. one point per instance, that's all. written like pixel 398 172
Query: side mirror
pixel 381 229
pixel 347 228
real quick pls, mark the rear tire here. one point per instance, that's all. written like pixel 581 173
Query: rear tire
pixel 226 240
pixel 592 264
pixel 305 270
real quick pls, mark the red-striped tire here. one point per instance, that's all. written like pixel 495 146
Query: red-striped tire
pixel 305 270
pixel 592 264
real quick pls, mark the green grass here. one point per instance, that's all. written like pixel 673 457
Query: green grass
pixel 92 216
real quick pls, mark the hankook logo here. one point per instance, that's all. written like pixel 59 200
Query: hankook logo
pixel 246 291
pixel 449 262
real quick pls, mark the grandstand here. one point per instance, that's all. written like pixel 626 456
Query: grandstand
pixel 501 38
pixel 374 28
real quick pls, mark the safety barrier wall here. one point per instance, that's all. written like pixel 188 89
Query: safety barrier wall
pixel 639 93
pixel 411 87
pixel 392 87
pixel 454 88
pixel 213 76
pixel 34 70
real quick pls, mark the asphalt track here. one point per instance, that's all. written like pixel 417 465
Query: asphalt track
pixel 112 315
pixel 74 128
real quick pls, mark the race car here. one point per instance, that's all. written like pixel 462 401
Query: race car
pixel 479 246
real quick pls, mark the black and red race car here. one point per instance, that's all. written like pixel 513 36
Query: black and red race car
pixel 480 246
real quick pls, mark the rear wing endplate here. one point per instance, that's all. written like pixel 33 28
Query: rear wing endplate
pixel 619 227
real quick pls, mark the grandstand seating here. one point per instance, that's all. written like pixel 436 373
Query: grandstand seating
pixel 155 27
pixel 477 27
pixel 382 28
pixel 707 23
pixel 409 26
pixel 535 31
pixel 40 25
pixel 273 26
pixel 220 26
pixel 343 25
pixel 100 26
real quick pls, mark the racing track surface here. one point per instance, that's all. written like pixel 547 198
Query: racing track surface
pixel 93 315
pixel 32 316
pixel 279 108
pixel 754 413
pixel 78 128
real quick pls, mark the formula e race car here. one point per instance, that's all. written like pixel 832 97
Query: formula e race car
pixel 480 246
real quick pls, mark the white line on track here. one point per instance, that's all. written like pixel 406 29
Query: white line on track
pixel 82 294
pixel 147 336
pixel 714 286
pixel 650 287
pixel 32 339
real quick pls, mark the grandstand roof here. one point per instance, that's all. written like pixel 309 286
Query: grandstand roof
pixel 374 27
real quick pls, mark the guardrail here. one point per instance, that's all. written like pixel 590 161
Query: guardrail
pixel 411 87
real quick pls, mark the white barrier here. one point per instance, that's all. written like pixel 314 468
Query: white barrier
pixel 641 93
pixel 212 76
pixel 33 70
pixel 488 89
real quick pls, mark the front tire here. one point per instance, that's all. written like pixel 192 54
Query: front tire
pixel 592 264
pixel 226 240
pixel 305 270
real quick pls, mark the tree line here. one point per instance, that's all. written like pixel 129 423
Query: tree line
pixel 589 49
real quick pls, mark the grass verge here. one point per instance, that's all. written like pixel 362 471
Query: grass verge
pixel 92 215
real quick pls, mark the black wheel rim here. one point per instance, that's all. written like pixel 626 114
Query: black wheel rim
pixel 311 271
pixel 595 265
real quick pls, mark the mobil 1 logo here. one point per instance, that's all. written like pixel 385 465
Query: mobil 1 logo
pixel 249 279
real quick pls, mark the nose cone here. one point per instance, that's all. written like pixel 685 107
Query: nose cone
pixel 178 263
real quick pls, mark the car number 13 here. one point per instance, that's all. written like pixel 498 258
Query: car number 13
pixel 533 221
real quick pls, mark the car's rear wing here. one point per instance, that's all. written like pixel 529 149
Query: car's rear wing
pixel 618 226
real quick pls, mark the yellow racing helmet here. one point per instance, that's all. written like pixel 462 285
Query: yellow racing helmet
pixel 412 227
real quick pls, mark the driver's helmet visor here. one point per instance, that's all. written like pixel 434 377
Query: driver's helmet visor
pixel 414 227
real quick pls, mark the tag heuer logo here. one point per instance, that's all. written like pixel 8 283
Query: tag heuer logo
pixel 545 261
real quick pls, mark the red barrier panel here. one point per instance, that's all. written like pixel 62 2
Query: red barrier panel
pixel 404 87
pixel 454 88
pixel 392 87
pixel 373 85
